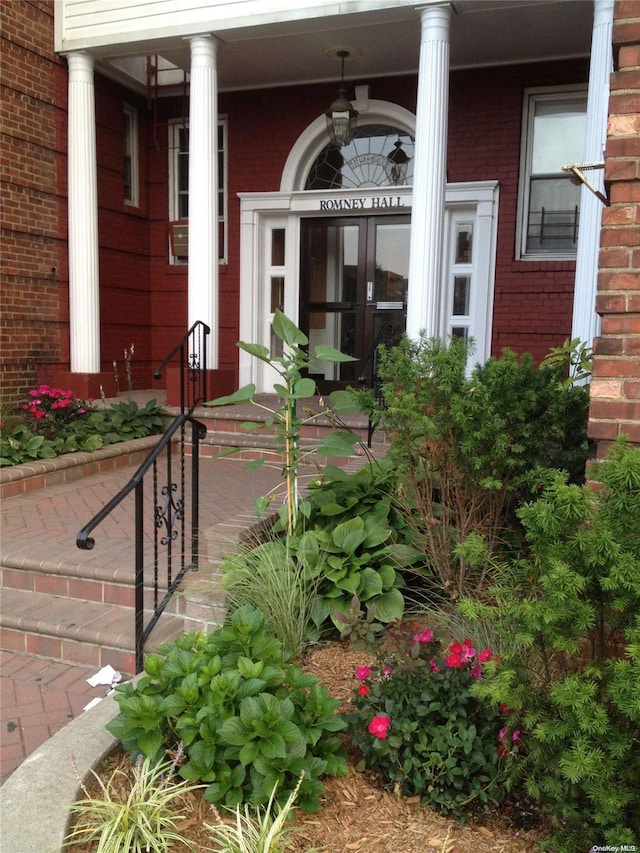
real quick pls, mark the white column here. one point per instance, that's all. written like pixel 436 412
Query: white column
pixel 586 323
pixel 203 190
pixel 430 174
pixel 84 295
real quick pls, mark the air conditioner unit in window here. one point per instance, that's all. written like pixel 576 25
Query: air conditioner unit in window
pixel 179 239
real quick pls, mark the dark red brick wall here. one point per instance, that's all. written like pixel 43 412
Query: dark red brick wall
pixel 34 287
pixel 615 387
pixel 143 299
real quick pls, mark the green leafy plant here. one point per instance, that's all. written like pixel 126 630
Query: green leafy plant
pixel 574 359
pixel 268 576
pixel 292 390
pixel 355 560
pixel 52 431
pixel 418 723
pixel 572 680
pixel 135 814
pixel 257 830
pixel 248 718
pixel 472 447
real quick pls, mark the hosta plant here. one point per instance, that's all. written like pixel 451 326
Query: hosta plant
pixel 418 723
pixel 248 718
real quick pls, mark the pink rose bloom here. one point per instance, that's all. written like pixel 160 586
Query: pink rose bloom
pixel 515 737
pixel 484 655
pixel 468 651
pixel 387 671
pixel 454 660
pixel 379 726
pixel 363 672
pixel 426 636
pixel 363 690
pixel 475 671
pixel 434 666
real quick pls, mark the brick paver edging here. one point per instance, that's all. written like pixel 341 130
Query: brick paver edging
pixel 31 476
pixel 36 798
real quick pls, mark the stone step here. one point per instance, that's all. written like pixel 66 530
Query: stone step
pixel 86 632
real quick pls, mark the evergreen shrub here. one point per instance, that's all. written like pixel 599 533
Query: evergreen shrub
pixel 572 680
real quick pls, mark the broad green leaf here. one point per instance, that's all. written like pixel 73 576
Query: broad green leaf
pixel 253 464
pixel 304 388
pixel 389 606
pixel 326 353
pixel 349 535
pixel 287 331
pixel 242 395
pixel 256 350
pixel 370 584
pixel 338 444
pixel 345 402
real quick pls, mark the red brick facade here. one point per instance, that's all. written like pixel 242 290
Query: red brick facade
pixel 143 298
pixel 32 170
pixel 615 388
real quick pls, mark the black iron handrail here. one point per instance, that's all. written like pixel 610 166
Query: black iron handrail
pixel 388 336
pixel 170 517
pixel 193 362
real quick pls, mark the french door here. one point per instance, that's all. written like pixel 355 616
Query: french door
pixel 353 289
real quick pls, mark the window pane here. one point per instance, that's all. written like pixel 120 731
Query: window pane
pixel 461 291
pixel 464 233
pixel 558 134
pixel 460 332
pixel 392 262
pixel 334 253
pixel 277 294
pixel 277 247
pixel 553 215
pixel 337 329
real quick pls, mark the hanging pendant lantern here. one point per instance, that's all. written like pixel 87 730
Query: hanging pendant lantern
pixel 398 160
pixel 341 116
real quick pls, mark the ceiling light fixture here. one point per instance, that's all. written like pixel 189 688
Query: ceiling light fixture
pixel 341 115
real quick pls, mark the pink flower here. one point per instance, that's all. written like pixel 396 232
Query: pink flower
pixel 363 690
pixel 426 636
pixel 363 672
pixel 454 661
pixel 379 726
pixel 475 671
pixel 387 671
pixel 434 666
pixel 515 737
pixel 455 648
pixel 484 655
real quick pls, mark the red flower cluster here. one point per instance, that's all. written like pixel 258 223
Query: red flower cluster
pixel 52 407
pixel 463 653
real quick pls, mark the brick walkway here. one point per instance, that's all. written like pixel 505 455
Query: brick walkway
pixel 39 695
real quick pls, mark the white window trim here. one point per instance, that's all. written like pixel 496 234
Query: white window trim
pixel 132 142
pixel 531 96
pixel 174 128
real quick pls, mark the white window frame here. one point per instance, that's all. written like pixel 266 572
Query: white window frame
pixel 533 96
pixel 131 146
pixel 174 189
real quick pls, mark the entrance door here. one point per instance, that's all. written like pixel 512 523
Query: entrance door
pixel 353 289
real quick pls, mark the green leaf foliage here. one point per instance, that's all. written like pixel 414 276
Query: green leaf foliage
pixel 246 716
pixel 572 681
pixel 418 723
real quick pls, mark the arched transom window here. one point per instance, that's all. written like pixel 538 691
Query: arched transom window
pixel 378 156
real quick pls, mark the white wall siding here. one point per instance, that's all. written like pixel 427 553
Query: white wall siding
pixel 99 23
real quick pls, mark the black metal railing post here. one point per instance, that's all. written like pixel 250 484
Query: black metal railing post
pixel 170 499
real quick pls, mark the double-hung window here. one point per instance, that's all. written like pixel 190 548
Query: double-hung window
pixel 179 190
pixel 553 135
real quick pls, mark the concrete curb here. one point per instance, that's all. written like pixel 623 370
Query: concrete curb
pixel 35 801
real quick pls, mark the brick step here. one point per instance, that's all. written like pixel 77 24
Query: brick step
pixel 100 584
pixel 71 631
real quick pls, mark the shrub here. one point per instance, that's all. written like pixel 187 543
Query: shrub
pixel 471 448
pixel 249 719
pixel 573 680
pixel 419 724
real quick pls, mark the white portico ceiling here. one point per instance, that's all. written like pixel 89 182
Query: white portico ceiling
pixel 386 42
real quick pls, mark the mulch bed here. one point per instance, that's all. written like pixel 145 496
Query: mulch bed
pixel 358 815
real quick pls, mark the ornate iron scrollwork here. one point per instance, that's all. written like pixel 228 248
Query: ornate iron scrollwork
pixel 168 514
